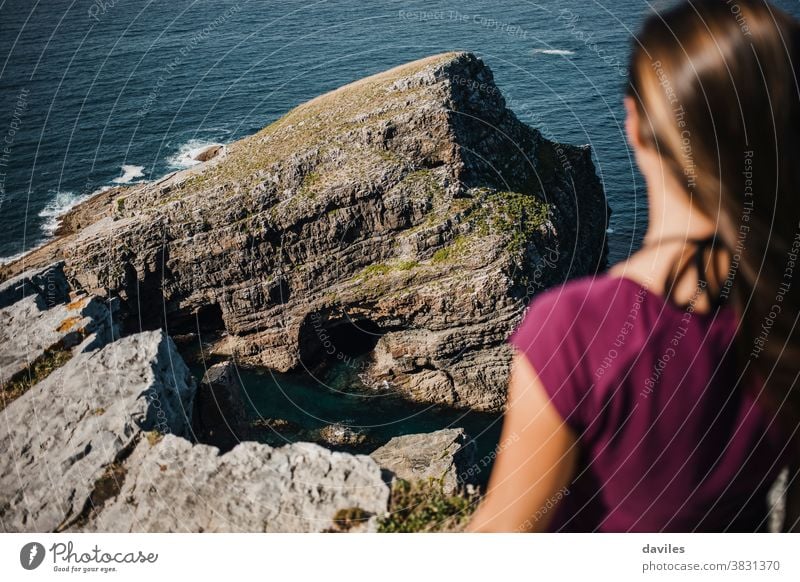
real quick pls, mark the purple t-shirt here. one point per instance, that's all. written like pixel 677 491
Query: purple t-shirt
pixel 669 439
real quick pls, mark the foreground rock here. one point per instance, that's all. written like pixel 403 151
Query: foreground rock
pixel 444 456
pixel 62 438
pixel 31 333
pixel 84 446
pixel 176 486
pixel 40 328
pixel 409 215
pixel 220 416
pixel 48 285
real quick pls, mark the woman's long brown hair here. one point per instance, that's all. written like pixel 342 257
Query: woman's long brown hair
pixel 717 90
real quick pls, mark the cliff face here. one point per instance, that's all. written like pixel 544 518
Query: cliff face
pixel 99 433
pixel 409 215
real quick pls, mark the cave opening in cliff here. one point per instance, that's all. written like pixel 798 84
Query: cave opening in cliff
pixel 205 320
pixel 209 318
pixel 279 292
pixel 325 340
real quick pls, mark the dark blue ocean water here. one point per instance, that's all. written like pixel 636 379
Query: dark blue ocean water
pixel 90 86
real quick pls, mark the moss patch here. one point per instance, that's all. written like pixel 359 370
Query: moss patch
pixel 38 370
pixel 458 248
pixel 422 506
pixel 68 323
pixel 381 269
pixel 108 485
pixel 347 519
pixel 310 185
pixel 375 270
pixel 425 184
pixel 519 217
pixel 406 265
pixel 153 437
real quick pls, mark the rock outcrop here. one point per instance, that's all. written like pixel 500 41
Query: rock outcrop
pixel 397 225
pixel 444 456
pixel 105 440
pixel 63 438
pixel 41 327
pixel 48 284
pixel 28 331
pixel 409 215
pixel 341 435
pixel 174 486
pixel 208 152
pixel 220 416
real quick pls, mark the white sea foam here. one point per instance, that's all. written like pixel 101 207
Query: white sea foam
pixel 609 231
pixel 129 173
pixel 186 154
pixel 542 51
pixel 58 206
pixel 12 258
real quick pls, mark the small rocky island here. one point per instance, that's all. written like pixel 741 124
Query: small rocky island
pixel 405 219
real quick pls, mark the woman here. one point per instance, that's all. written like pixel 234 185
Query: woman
pixel 663 395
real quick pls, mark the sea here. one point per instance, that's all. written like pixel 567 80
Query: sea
pixel 95 93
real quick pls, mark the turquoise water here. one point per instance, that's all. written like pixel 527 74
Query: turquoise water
pixel 313 400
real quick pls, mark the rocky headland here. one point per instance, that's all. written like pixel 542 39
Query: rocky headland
pixel 403 221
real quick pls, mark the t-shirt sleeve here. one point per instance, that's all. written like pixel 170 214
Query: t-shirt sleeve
pixel 551 337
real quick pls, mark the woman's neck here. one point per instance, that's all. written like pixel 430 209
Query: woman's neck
pixel 674 224
pixel 671 214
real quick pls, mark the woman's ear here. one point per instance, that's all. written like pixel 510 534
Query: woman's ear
pixel 632 123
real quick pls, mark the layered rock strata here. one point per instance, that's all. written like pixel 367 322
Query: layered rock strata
pixel 409 216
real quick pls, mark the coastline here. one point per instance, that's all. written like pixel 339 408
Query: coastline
pixel 94 207
pixel 84 213
pixel 266 213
